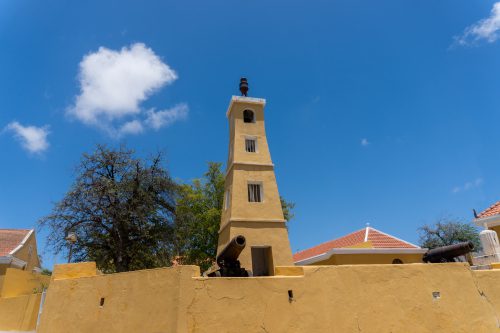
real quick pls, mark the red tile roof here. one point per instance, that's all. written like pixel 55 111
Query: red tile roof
pixel 378 239
pixel 10 239
pixel 490 211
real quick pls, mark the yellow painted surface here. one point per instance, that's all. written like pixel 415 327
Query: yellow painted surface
pixel 19 313
pixel 368 258
pixel 495 265
pixel 68 271
pixel 488 283
pixel 139 301
pixel 289 270
pixel 17 282
pixel 262 234
pixel 261 223
pixel 20 294
pixel 363 298
pixel 28 253
pixel 496 229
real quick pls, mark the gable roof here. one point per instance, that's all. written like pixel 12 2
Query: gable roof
pixel 11 239
pixel 376 239
pixel 490 211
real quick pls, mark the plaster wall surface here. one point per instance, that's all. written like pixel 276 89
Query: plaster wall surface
pixel 276 233
pixel 19 313
pixel 28 253
pixel 17 282
pixel 363 298
pixel 20 295
pixel 371 258
pixel 242 130
pixel 496 229
pixel 262 222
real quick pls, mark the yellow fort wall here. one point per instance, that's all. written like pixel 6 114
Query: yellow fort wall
pixel 362 298
pixel 20 296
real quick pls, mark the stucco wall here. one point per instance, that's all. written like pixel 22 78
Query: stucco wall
pixel 363 298
pixel 19 313
pixel 364 259
pixel 276 237
pixel 29 254
pixel 20 295
pixel 17 282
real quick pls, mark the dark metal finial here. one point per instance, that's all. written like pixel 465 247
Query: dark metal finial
pixel 475 213
pixel 243 86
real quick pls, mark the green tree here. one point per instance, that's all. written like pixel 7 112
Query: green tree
pixel 287 208
pixel 198 215
pixel 448 231
pixel 121 209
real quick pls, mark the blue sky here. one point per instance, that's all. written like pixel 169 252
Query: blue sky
pixel 384 112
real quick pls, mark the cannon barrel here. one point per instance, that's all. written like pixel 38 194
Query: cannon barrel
pixel 448 253
pixel 232 251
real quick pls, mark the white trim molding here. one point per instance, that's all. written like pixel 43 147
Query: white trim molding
pixel 10 260
pixel 25 239
pixel 488 222
pixel 244 99
pixel 328 254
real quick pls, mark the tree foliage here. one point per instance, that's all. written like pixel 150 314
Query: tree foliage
pixel 448 232
pixel 128 213
pixel 121 209
pixel 198 215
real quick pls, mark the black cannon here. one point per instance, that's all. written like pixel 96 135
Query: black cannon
pixel 227 260
pixel 448 253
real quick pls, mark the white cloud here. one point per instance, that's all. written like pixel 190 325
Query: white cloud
pixel 468 186
pixel 485 29
pixel 131 127
pixel 159 119
pixel 114 83
pixel 364 142
pixel 32 138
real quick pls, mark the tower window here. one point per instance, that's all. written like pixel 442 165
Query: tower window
pixel 255 192
pixel 248 116
pixel 251 145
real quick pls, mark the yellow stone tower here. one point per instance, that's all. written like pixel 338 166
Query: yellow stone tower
pixel 252 206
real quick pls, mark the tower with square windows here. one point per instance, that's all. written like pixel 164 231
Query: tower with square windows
pixel 252 205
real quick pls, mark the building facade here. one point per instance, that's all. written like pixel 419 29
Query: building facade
pixel 365 246
pixel 18 249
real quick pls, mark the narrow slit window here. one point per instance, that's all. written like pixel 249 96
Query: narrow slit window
pixel 254 192
pixel 251 145
pixel 226 201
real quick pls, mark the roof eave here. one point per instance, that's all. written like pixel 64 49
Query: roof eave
pixel 10 260
pixel 490 221
pixel 331 252
pixel 25 239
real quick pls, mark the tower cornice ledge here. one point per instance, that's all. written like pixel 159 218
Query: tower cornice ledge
pixel 244 99
pixel 250 220
pixel 270 165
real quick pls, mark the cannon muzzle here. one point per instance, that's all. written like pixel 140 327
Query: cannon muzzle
pixel 227 260
pixel 448 253
pixel 232 251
